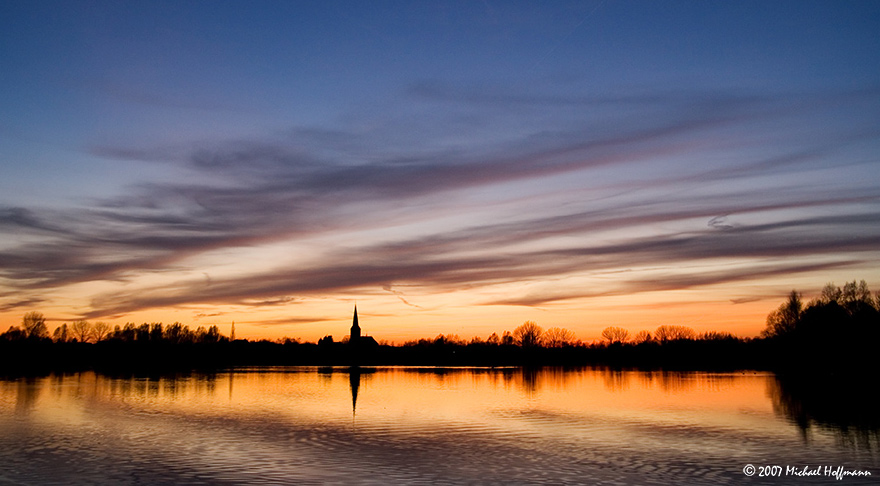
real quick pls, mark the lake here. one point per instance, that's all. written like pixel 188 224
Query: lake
pixel 436 426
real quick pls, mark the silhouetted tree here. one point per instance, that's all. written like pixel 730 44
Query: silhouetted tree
pixel 128 332
pixel 100 330
pixel 212 335
pixel 14 333
pixel 528 335
pixel 784 320
pixel 449 339
pixel 507 339
pixel 674 333
pixel 557 337
pixel 198 334
pixel 142 333
pixel 326 341
pixel 81 330
pixel 615 335
pixel 683 332
pixel 156 332
pixel 815 322
pixel 34 325
pixel 717 336
pixel 642 337
pixel 61 334
pixel 663 333
pixel 830 293
pixel 493 340
pixel 175 333
pixel 856 297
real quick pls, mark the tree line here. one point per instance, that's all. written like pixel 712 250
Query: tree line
pixel 33 327
pixel 531 335
pixel 840 327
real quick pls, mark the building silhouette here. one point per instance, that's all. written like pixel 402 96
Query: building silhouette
pixel 355 328
pixel 355 338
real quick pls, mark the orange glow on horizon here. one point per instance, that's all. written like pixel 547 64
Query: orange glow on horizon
pixel 391 321
pixel 396 318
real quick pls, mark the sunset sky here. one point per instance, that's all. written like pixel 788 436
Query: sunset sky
pixel 452 167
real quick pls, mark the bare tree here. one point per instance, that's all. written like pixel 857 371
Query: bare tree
pixel 528 334
pixel 642 337
pixel 61 334
pixel 784 320
pixel 212 335
pixel 615 334
pixel 717 336
pixel 100 330
pixel 34 325
pixel 14 333
pixel 830 293
pixel 175 333
pixel 856 297
pixel 156 332
pixel 81 331
pixel 199 334
pixel 507 339
pixel 493 339
pixel 557 337
pixel 674 333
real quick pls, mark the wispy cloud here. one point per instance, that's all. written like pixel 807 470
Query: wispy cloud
pixel 310 182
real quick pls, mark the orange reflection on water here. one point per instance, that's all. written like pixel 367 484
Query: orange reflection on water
pixel 280 422
pixel 402 392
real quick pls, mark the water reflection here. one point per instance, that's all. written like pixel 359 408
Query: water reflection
pixel 846 406
pixel 616 380
pixel 296 426
pixel 28 390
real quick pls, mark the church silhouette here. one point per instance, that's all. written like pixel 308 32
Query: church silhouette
pixel 355 338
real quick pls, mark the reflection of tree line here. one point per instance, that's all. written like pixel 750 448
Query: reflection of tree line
pixel 844 405
pixel 90 386
pixel 838 404
pixel 617 380
pixel 839 329
pixel 529 381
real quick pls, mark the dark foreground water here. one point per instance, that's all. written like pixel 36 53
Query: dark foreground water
pixel 431 426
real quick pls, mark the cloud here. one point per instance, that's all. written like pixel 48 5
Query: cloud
pixel 674 281
pixel 287 321
pixel 400 296
pixel 746 300
pixel 441 265
pixel 587 205
pixel 19 304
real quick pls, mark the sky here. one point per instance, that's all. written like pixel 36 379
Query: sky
pixel 450 167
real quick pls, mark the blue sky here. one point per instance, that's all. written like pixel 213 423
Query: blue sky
pixel 271 162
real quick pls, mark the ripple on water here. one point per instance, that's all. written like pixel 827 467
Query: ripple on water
pixel 124 441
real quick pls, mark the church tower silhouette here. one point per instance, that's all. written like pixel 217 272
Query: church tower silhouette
pixel 355 329
pixel 355 339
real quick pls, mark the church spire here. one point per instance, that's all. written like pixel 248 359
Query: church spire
pixel 355 329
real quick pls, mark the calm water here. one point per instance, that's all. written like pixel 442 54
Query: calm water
pixel 427 426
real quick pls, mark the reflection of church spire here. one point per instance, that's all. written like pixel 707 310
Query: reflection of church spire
pixel 354 379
